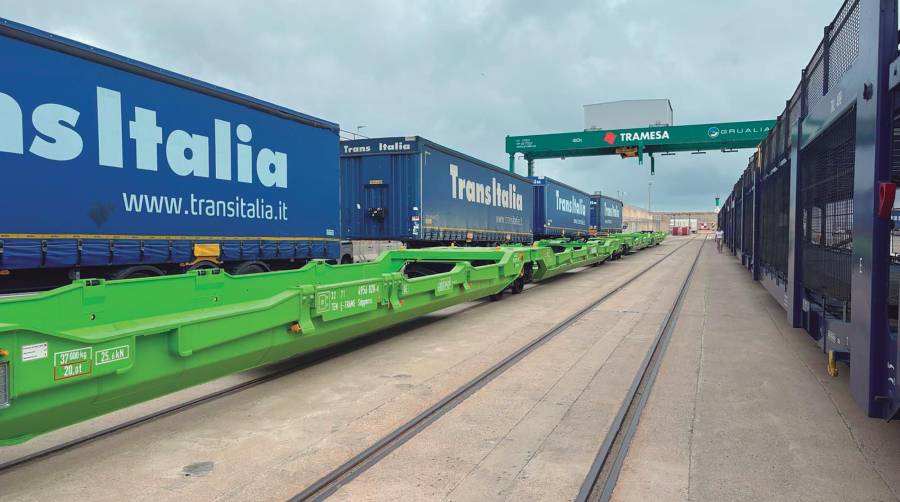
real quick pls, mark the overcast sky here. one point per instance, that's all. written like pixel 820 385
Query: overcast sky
pixel 466 74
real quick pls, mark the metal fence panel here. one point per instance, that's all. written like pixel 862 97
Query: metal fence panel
pixel 826 198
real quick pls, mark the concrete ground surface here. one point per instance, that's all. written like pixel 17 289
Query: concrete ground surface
pixel 742 408
pixel 532 433
pixel 271 441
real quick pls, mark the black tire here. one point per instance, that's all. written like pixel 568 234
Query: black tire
pixel 346 259
pixel 137 272
pixel 496 297
pixel 517 286
pixel 250 267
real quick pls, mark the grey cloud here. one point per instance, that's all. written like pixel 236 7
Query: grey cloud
pixel 466 74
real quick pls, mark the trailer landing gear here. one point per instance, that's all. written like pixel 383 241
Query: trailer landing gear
pixel 832 367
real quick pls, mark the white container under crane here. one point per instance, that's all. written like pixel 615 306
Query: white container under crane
pixel 628 114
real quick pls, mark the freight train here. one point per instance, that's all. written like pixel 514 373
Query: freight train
pixel 130 171
pixel 133 173
pixel 811 215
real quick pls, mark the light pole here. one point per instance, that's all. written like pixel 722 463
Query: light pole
pixel 650 202
pixel 359 128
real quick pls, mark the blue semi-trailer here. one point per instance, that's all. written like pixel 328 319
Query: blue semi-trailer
pixel 416 191
pixel 559 209
pixel 114 168
pixel 606 214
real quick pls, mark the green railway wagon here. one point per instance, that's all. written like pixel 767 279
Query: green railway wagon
pixel 112 344
pixel 642 240
pixel 95 346
pixel 555 256
pixel 615 247
pixel 628 241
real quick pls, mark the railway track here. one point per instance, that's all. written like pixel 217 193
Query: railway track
pixel 284 369
pixel 299 364
pixel 294 366
pixel 604 472
pixel 346 472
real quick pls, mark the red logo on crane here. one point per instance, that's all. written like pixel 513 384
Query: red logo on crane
pixel 610 137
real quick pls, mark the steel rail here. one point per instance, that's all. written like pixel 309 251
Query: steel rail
pixel 297 364
pixel 604 472
pixel 327 485
pixel 301 362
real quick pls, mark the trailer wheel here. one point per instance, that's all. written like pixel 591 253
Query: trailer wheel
pixel 250 267
pixel 517 286
pixel 202 265
pixel 346 259
pixel 497 296
pixel 136 272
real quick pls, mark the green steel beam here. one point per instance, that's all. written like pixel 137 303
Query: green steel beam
pixel 638 240
pixel 549 258
pixel 95 346
pixel 649 140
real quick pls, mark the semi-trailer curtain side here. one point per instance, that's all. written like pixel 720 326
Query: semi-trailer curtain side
pixel 416 191
pixel 116 168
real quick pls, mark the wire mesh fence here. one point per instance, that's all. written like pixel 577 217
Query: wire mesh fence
pixel 826 201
